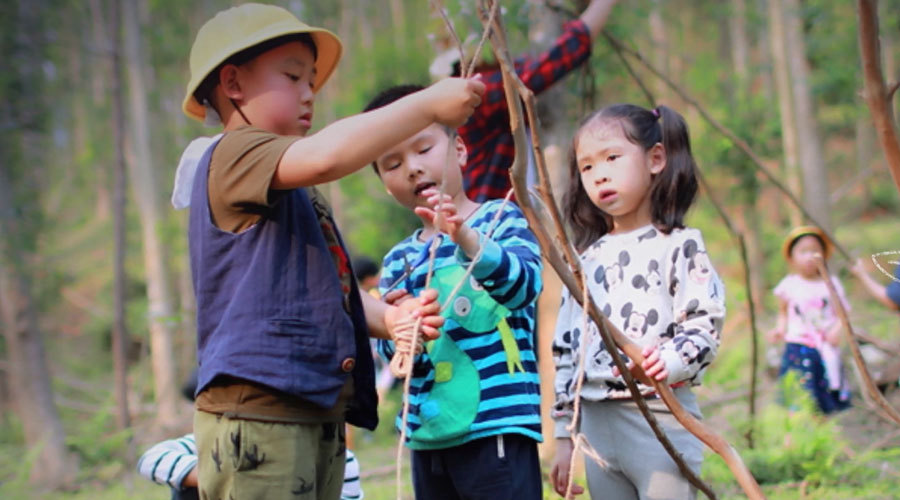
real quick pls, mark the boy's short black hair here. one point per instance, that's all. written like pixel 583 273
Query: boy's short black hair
pixel 204 90
pixel 363 267
pixel 392 94
pixel 389 95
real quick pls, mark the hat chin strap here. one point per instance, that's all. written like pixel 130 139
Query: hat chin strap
pixel 238 109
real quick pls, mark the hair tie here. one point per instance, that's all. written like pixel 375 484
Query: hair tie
pixel 655 112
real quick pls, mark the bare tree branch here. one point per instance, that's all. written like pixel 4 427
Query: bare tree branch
pixel 878 98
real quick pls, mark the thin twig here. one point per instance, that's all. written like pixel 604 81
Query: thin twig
pixel 618 50
pixel 439 6
pixel 484 36
pixel 892 90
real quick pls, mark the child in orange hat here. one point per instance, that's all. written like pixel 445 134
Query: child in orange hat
pixel 807 321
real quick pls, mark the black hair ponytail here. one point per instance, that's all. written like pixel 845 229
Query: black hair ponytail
pixel 672 191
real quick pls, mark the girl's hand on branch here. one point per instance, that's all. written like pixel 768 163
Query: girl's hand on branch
pixel 653 367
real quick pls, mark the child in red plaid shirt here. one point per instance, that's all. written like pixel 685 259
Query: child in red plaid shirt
pixel 487 133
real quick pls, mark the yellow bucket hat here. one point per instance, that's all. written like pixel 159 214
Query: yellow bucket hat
pixel 242 27
pixel 797 232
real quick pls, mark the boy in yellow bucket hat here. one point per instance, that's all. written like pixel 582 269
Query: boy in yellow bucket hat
pixel 282 328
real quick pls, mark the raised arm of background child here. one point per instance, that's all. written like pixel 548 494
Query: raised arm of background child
pixel 596 14
pixel 876 289
pixel 349 144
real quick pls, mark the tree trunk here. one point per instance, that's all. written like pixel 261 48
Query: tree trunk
pixel 187 348
pixel 778 44
pixel 740 46
pixel 878 97
pixel 398 25
pixel 119 332
pixel 659 50
pixel 99 43
pixel 29 377
pixel 143 181
pixel 865 156
pixel 812 164
pixel 22 151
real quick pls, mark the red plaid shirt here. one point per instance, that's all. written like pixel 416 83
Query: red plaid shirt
pixel 487 134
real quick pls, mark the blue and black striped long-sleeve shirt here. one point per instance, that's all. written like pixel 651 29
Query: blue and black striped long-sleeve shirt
pixel 479 378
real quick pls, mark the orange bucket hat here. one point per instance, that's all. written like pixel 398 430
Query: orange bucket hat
pixel 245 26
pixel 801 231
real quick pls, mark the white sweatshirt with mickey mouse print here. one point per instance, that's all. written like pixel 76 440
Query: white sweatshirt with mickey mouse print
pixel 658 289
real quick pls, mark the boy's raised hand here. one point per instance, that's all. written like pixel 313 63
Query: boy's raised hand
pixel 443 214
pixel 453 100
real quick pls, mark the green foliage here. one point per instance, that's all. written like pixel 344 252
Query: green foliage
pixel 96 442
pixel 799 448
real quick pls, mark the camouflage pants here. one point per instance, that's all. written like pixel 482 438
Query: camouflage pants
pixel 248 459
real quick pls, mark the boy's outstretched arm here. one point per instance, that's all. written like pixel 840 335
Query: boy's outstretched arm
pixel 596 14
pixel 353 142
pixel 381 318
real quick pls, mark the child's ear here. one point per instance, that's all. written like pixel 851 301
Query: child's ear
pixel 657 158
pixel 228 80
pixel 462 154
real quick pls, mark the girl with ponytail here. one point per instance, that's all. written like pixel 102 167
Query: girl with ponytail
pixel 633 178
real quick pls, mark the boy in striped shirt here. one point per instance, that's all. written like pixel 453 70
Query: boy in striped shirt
pixel 474 420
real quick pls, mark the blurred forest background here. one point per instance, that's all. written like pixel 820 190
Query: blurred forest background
pixel 78 79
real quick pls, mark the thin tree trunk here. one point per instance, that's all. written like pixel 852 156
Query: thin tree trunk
pixel 740 46
pixel 398 25
pixel 187 348
pixel 143 181
pixel 865 156
pixel 878 96
pixel 119 332
pixel 29 377
pixel 778 46
pixel 659 48
pixel 22 150
pixel 812 164
pixel 99 43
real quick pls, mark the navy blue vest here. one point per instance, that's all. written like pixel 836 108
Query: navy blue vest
pixel 270 305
